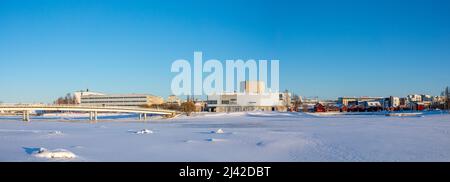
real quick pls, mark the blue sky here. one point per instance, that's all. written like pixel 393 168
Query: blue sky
pixel 326 48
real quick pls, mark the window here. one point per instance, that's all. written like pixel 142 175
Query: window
pixel 211 102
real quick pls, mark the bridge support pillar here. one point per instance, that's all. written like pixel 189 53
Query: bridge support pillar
pixel 95 116
pixel 142 116
pixel 91 116
pixel 26 116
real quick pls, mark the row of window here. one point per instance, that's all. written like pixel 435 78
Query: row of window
pixel 214 102
pixel 120 105
pixel 211 102
pixel 133 101
pixel 96 97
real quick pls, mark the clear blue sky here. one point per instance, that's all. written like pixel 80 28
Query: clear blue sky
pixel 326 48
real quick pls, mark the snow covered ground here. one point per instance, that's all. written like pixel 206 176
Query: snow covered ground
pixel 228 137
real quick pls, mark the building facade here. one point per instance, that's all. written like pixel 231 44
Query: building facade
pixel 79 94
pixel 251 98
pixel 346 101
pixel 121 100
pixel 173 99
pixel 414 98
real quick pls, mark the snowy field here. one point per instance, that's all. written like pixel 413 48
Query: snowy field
pixel 228 137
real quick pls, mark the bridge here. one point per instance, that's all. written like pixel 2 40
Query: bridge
pixel 92 110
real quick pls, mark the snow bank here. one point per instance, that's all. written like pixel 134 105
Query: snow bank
pixel 325 114
pixel 404 114
pixel 271 137
pixel 55 133
pixel 219 131
pixel 144 131
pixel 215 140
pixel 211 114
pixel 54 154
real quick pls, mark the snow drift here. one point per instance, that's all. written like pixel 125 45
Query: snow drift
pixel 54 154
pixel 144 131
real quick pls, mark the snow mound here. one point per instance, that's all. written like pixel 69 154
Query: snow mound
pixel 260 144
pixel 219 131
pixel 55 154
pixel 144 131
pixel 404 114
pixel 215 140
pixel 56 133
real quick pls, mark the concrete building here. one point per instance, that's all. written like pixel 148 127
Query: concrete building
pixel 439 99
pixel 173 99
pixel 310 100
pixel 427 98
pixel 346 101
pixel 122 100
pixel 251 98
pixel 414 98
pixel 372 104
pixel 79 94
pixel 395 101
pixel 390 102
pixel 254 87
pixel 200 106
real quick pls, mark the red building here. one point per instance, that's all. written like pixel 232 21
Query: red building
pixel 319 108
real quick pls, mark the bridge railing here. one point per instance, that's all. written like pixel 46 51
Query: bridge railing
pixel 85 106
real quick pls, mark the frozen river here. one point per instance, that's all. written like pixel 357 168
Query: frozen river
pixel 230 137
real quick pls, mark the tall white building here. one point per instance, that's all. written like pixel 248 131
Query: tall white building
pixel 252 97
pixel 395 101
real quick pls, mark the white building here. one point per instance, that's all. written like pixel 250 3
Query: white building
pixel 121 100
pixel 173 99
pixel 253 87
pixel 79 94
pixel 439 99
pixel 414 98
pixel 251 98
pixel 370 104
pixel 427 98
pixel 393 102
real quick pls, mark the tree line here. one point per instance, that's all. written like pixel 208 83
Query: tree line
pixel 446 94
pixel 186 107
pixel 66 100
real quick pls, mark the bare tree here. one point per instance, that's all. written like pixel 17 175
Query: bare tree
pixel 287 100
pixel 447 98
pixel 188 107
pixel 68 99
pixel 297 102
